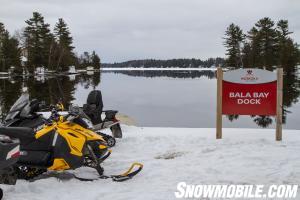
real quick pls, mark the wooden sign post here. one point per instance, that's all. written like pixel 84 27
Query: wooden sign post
pixel 219 102
pixel 249 92
pixel 279 104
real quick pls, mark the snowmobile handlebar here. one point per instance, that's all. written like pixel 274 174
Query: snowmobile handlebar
pixel 73 113
pixel 54 109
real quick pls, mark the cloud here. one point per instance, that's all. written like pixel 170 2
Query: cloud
pixel 132 29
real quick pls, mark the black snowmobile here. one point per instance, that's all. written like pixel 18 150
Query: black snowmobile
pixel 26 113
pixel 9 155
pixel 94 110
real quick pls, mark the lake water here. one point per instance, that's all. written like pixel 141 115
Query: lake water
pixel 151 98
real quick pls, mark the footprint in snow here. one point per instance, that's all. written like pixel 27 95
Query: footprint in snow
pixel 170 155
pixel 208 150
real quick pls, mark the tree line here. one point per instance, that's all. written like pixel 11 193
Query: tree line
pixel 182 63
pixel 267 45
pixel 209 74
pixel 37 46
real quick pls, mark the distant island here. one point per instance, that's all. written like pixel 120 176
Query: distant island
pixel 171 63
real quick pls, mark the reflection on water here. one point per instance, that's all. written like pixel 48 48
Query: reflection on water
pixel 152 98
pixel 171 74
pixel 50 89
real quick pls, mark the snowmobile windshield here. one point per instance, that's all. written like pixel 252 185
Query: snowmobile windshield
pixel 21 107
pixel 80 117
pixel 76 110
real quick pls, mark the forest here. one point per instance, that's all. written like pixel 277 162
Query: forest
pixel 36 45
pixel 181 63
pixel 267 45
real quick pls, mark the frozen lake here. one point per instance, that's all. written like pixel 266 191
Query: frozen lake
pixel 152 98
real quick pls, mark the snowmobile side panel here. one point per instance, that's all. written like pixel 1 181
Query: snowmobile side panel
pixel 62 150
pixel 9 153
pixel 44 131
pixel 35 158
pixel 59 164
pixel 74 139
pixel 88 134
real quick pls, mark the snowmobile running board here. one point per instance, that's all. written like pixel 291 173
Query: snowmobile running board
pixel 129 174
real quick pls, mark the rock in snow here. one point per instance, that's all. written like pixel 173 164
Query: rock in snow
pixel 172 155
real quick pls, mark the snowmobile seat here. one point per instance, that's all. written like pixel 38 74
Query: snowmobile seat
pixel 24 134
pixel 34 106
pixel 94 106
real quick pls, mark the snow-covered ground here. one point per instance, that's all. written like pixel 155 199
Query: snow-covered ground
pixel 172 155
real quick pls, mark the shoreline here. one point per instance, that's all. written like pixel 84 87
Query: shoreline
pixel 156 69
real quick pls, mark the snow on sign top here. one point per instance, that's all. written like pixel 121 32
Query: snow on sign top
pixel 250 76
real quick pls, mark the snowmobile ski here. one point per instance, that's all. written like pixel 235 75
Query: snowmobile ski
pixel 129 174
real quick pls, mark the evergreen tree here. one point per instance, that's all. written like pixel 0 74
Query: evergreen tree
pixel 66 56
pixel 252 49
pixel 288 51
pixel 3 32
pixel 38 41
pixel 247 52
pixel 283 29
pixel 95 60
pixel 267 42
pixel 87 59
pixel 269 47
pixel 233 39
pixel 9 50
pixel 12 53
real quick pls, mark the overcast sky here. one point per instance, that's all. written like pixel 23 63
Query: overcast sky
pixel 121 30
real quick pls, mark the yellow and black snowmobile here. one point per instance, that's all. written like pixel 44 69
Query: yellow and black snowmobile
pixel 62 143
pixel 30 113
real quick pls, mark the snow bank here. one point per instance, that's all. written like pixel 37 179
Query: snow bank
pixel 172 155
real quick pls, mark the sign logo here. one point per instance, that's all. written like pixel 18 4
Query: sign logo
pixel 249 76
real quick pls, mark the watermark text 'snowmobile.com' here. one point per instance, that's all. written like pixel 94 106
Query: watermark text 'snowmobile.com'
pixel 185 190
